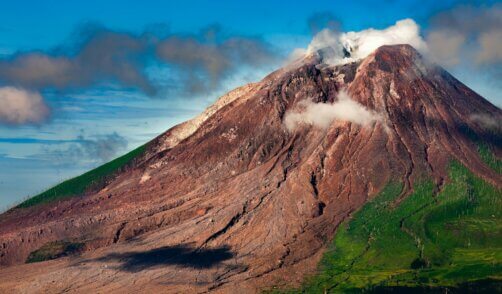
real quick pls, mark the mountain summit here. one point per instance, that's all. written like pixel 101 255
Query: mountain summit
pixel 249 194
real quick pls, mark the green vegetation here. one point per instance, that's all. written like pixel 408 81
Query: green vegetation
pixel 54 250
pixel 428 241
pixel 488 157
pixel 79 185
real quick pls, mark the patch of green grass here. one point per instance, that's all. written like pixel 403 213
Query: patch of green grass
pixel 79 185
pixel 54 250
pixel 427 241
pixel 489 158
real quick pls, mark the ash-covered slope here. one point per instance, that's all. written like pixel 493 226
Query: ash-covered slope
pixel 234 199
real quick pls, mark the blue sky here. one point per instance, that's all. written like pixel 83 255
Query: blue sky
pixel 86 115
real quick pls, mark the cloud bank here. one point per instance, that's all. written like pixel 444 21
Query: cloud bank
pixel 97 56
pixel 18 106
pixel 322 115
pixel 339 48
pixel 102 56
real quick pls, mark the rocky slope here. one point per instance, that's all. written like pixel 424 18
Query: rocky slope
pixel 233 199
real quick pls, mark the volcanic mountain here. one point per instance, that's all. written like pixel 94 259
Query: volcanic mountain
pixel 236 200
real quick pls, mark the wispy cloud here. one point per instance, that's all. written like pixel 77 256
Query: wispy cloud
pixel 86 150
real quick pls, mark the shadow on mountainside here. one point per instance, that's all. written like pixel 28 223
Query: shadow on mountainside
pixel 180 255
pixel 479 286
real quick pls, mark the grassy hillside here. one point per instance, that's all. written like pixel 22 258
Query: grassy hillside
pixel 427 242
pixel 78 185
pixel 488 157
pixel 54 250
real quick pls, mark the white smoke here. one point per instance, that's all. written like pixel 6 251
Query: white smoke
pixel 340 48
pixel 18 106
pixel 321 115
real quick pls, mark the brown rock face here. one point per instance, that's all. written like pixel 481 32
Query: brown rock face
pixel 232 199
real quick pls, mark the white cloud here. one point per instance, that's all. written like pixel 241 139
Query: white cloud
pixel 18 106
pixel 488 121
pixel 323 114
pixel 339 48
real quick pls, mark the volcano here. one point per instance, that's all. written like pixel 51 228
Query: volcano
pixel 234 200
